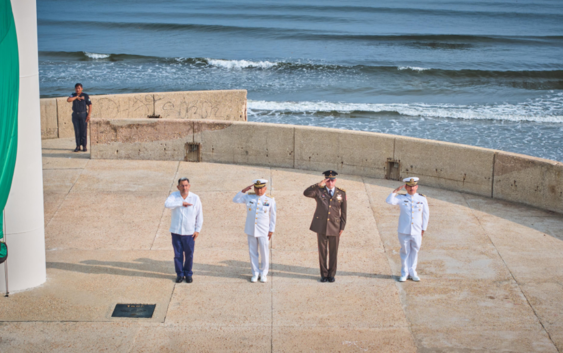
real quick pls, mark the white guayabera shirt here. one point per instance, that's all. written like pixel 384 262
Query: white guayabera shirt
pixel 185 220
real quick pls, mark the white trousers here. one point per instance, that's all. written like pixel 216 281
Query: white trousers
pixel 410 245
pixel 259 244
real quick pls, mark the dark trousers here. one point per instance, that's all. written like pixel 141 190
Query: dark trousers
pixel 183 254
pixel 80 128
pixel 328 245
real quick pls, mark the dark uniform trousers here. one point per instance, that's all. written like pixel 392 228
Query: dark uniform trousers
pixel 328 221
pixel 80 128
pixel 328 245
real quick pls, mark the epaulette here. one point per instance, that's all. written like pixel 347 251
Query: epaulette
pixel 341 189
pixel 402 194
pixel 270 196
pixel 252 193
pixel 422 195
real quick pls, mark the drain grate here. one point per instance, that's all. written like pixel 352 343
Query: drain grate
pixel 137 311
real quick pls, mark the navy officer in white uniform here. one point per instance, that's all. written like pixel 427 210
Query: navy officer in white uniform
pixel 413 221
pixel 260 226
pixel 187 219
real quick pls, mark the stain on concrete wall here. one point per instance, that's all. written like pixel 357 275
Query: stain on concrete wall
pixel 529 180
pixel 49 121
pixel 217 105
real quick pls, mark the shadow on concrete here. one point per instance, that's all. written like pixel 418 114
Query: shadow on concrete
pixel 70 154
pixel 159 269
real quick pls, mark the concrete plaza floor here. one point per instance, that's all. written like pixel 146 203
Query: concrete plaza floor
pixel 491 271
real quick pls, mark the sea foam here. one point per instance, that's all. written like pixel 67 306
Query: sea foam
pixel 240 64
pixel 97 56
pixel 538 110
pixel 413 68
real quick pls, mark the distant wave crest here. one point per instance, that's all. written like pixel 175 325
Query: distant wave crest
pixel 539 110
pixel 414 68
pixel 438 41
pixel 241 64
pixel 96 55
pixel 542 79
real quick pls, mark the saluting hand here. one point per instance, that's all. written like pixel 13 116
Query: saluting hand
pixel 247 188
pixel 399 189
pixel 80 98
pixel 323 183
pixel 186 204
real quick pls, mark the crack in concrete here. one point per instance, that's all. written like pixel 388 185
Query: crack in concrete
pixel 66 195
pixel 509 271
pixel 402 293
pixel 272 277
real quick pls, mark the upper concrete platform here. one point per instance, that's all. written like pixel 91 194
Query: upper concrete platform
pixel 491 271
pixel 211 126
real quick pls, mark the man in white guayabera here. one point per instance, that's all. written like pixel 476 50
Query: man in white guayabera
pixel 260 226
pixel 187 219
pixel 413 221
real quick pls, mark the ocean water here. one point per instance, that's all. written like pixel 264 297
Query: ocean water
pixel 483 73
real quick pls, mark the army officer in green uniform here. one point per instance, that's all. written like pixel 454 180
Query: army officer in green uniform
pixel 328 222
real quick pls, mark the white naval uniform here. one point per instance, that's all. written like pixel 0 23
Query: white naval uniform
pixel 412 221
pixel 260 219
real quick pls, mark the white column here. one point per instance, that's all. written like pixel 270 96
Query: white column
pixel 25 230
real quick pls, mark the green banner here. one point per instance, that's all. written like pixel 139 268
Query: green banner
pixel 9 96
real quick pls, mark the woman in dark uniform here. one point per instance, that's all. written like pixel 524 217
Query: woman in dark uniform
pixel 81 111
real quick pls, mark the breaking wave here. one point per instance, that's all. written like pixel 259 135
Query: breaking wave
pixel 241 64
pixel 544 110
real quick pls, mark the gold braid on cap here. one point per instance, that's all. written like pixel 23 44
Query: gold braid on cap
pixel 411 182
pixel 259 184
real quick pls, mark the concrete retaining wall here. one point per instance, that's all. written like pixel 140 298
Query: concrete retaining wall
pixel 447 165
pixel 529 180
pixel 512 177
pixel 49 119
pixel 56 113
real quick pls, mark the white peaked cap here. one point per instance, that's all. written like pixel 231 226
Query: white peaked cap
pixel 411 181
pixel 259 183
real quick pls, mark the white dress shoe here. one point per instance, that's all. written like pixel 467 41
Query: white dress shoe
pixel 263 279
pixel 402 278
pixel 254 279
pixel 415 278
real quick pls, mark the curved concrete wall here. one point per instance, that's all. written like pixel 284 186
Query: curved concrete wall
pixel 219 105
pixel 501 175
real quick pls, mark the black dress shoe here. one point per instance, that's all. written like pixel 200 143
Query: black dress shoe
pixel 77 149
pixel 324 279
pixel 84 149
pixel 331 279
pixel 189 280
pixel 179 279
